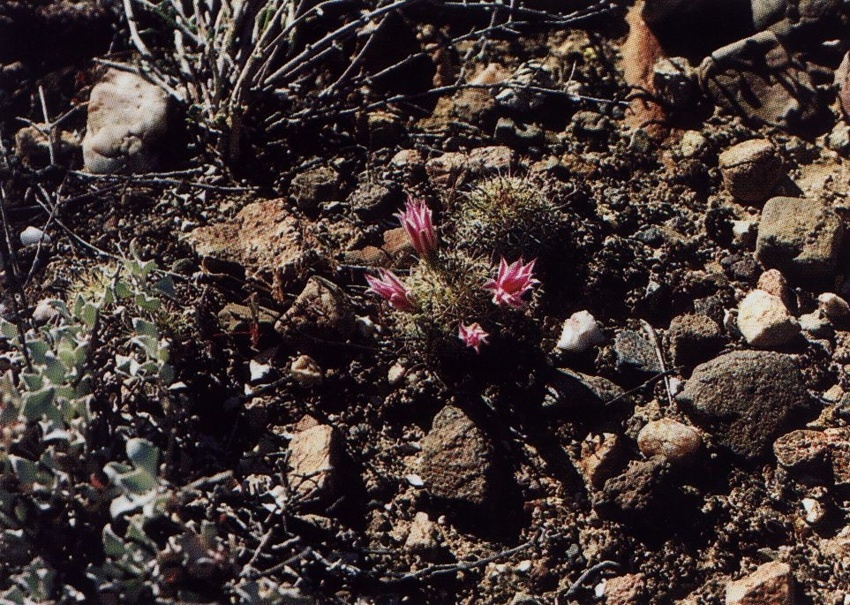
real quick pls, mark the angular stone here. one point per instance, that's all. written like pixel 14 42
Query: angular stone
pixel 745 398
pixel 602 456
pixel 637 492
pixel 635 353
pixel 625 590
pixel 32 145
pixel 801 450
pixel 800 237
pixel 770 584
pixel 757 78
pixel 750 170
pixel 765 322
pixel 265 239
pixel 457 459
pixel 127 120
pixel 423 537
pixel 314 457
pixel 670 439
pixel 694 338
pixel 313 187
pixel 838 439
pixel 323 310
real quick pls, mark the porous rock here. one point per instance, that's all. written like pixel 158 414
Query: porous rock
pixel 602 456
pixel 745 398
pixel 312 187
pixel 694 338
pixel 800 237
pixel 801 450
pixel 750 170
pixel 770 584
pixel 265 239
pixel 637 492
pixel 568 389
pixel 127 120
pixel 457 459
pixel 322 310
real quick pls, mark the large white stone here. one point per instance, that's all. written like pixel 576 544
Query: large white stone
pixel 127 119
pixel 764 320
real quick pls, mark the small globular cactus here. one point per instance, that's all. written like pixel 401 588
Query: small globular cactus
pixel 512 281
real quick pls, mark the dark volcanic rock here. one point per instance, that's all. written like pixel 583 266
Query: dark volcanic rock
pixel 745 398
pixel 568 389
pixel 635 354
pixel 694 338
pixel 639 491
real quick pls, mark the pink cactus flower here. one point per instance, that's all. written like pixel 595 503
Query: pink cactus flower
pixel 512 282
pixel 473 335
pixel 418 222
pixel 390 288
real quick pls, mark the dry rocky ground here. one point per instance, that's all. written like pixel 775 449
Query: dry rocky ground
pixel 665 419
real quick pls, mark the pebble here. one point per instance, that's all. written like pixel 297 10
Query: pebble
pixel 634 353
pixel 314 459
pixel 765 322
pixel 306 371
pixel 670 439
pixel 568 389
pixel 750 170
pixel 675 81
pixel 814 511
pixel 693 143
pixel 773 282
pixel 834 307
pixel 745 398
pixel 694 338
pixel 580 333
pixel 314 187
pixel 602 456
pixel 770 584
pixel 801 450
pixel 322 310
pixel 800 237
pixel 33 235
pixel 127 121
pixel 423 537
pixel 628 589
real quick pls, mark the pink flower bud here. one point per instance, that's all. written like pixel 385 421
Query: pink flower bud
pixel 390 288
pixel 417 220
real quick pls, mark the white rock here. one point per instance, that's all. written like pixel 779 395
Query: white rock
pixel 764 320
pixel 580 333
pixel 669 438
pixel 258 370
pixel 34 235
pixel 127 119
pixel 813 509
pixel 44 311
pixel 835 307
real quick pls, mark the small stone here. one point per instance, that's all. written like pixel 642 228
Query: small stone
pixel 517 135
pixel 314 457
pixel 800 237
pixel 591 125
pixel 750 170
pixel 675 81
pixel 629 589
pixel 770 584
pixel 773 282
pixel 448 168
pixel 385 129
pixel 745 398
pixel 839 139
pixel 634 353
pixel 834 307
pixel 580 333
pixel 395 374
pixel 636 493
pixel 314 187
pixel 744 232
pixel 33 235
pixel 801 451
pixel 370 197
pixel 323 310
pixel 694 338
pixel 670 439
pixel 602 456
pixel 838 439
pixel 127 121
pixel 423 538
pixel 693 143
pixel 765 322
pixel 815 325
pixel 814 511
pixel 495 159
pixel 409 159
pixel 44 311
pixel 32 145
pixel 306 371
pixel 457 459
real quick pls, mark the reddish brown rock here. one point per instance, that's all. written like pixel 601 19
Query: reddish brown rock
pixel 314 457
pixel 770 584
pixel 641 51
pixel 629 589
pixel 801 450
